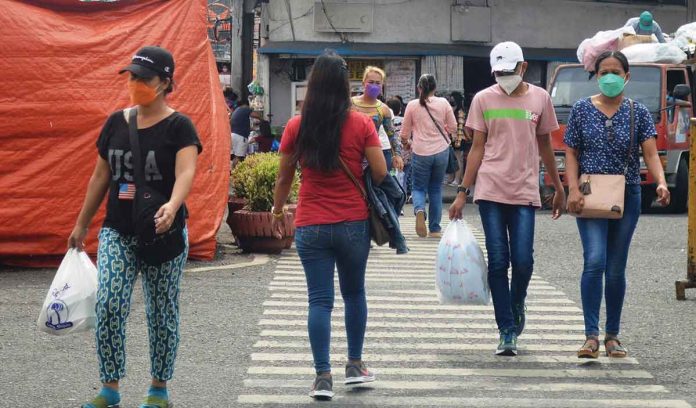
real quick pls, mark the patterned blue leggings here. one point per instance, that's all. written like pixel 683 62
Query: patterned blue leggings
pixel 118 269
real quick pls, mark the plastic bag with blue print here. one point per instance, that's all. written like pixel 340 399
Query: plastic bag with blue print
pixel 70 305
pixel 461 271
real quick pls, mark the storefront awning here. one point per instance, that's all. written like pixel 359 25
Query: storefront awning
pixel 312 49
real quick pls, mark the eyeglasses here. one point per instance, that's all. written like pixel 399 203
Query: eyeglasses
pixel 609 127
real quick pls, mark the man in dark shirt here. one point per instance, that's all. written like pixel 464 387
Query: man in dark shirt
pixel 240 123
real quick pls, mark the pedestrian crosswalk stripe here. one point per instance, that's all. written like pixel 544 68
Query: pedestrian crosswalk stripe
pixel 430 307
pixel 469 372
pixel 396 359
pixel 396 279
pixel 302 288
pixel 375 286
pixel 490 335
pixel 449 347
pixel 436 316
pixel 428 325
pixel 429 274
pixel 368 400
pixel 428 354
pixel 478 385
pixel 422 299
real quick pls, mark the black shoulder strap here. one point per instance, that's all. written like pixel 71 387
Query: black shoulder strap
pixel 138 169
pixel 633 135
pixel 437 125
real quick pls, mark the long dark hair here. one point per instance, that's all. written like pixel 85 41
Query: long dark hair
pixel 620 56
pixel 458 101
pixel 426 84
pixel 325 109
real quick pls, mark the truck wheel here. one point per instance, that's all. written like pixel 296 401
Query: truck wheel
pixel 647 195
pixel 680 193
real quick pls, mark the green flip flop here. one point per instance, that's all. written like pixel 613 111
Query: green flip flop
pixel 156 402
pixel 99 402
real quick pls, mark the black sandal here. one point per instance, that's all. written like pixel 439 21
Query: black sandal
pixel 614 348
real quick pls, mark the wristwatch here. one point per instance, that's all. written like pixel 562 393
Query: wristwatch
pixel 464 190
pixel 278 215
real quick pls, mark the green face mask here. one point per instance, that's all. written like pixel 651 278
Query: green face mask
pixel 611 85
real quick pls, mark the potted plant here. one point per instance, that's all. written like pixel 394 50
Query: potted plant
pixel 254 181
pixel 234 202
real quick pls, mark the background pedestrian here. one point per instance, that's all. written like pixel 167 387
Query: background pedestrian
pixel 430 152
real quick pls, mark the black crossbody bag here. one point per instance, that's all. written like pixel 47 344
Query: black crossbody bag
pixel 153 248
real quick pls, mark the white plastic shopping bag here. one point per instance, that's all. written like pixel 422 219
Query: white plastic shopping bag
pixel 591 48
pixel 71 301
pixel 667 53
pixel 401 178
pixel 462 274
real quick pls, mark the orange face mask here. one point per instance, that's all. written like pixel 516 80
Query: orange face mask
pixel 141 94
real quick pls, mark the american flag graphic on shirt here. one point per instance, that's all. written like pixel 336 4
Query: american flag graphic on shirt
pixel 126 191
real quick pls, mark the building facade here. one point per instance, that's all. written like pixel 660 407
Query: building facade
pixel 449 38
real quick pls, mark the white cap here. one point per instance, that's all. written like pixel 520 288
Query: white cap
pixel 505 56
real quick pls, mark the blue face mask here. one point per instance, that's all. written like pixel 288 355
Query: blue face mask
pixel 611 85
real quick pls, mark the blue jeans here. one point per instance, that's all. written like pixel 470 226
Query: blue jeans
pixel 605 246
pixel 408 178
pixel 428 173
pixel 509 231
pixel 322 248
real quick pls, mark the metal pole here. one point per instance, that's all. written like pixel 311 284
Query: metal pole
pixel 690 281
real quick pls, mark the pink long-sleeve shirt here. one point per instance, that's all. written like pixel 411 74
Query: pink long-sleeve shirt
pixel 427 140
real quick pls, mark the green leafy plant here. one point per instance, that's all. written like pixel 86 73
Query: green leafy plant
pixel 254 179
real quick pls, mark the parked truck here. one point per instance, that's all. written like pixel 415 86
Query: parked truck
pixel 666 90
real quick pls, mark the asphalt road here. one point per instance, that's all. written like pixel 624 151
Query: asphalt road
pixel 221 310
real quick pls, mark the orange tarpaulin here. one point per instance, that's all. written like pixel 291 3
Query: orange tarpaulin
pixel 59 63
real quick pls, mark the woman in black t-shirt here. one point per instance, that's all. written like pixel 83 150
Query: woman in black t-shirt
pixel 169 148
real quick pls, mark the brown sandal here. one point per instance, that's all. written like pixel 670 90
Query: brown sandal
pixel 614 348
pixel 590 349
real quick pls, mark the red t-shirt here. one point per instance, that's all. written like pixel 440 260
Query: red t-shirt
pixel 330 198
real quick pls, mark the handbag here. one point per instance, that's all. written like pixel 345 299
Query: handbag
pixel 378 232
pixel 153 248
pixel 604 193
pixel 452 163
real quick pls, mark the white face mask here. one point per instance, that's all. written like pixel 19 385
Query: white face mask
pixel 509 82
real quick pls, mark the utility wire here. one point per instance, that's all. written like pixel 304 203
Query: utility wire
pixel 292 24
pixel 341 35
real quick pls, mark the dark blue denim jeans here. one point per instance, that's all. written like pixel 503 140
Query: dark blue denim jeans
pixel 509 231
pixel 605 246
pixel 428 173
pixel 323 248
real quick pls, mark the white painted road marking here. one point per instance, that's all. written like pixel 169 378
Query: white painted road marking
pixel 427 354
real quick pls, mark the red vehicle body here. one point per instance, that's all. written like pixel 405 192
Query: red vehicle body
pixel 666 89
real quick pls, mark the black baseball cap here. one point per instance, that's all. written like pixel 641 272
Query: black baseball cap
pixel 150 61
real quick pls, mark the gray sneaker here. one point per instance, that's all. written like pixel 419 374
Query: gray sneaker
pixel 508 344
pixel 322 389
pixel 358 374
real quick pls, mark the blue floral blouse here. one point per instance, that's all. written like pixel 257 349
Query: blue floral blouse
pixel 602 142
